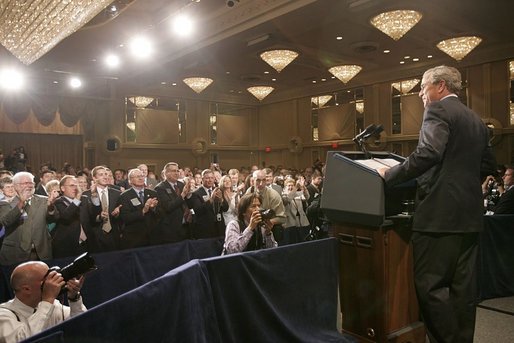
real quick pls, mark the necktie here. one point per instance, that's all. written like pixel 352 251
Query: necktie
pixel 177 190
pixel 106 226
pixel 210 193
pixel 142 197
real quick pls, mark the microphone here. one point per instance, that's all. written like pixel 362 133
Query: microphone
pixel 366 132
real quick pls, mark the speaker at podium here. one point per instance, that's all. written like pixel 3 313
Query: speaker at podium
pixel 353 191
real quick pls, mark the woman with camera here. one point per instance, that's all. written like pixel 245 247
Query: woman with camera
pixel 250 231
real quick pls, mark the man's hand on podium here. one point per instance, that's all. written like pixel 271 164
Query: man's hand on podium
pixel 381 171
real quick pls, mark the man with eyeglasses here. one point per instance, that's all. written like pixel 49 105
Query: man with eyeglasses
pixel 24 220
pixel 506 203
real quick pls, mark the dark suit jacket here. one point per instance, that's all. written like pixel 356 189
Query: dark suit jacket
pixel 65 235
pixel 506 203
pixel 137 227
pixel 40 190
pixel 21 233
pixel 205 222
pixel 103 241
pixel 171 212
pixel 452 154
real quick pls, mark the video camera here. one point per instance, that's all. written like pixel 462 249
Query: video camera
pixel 80 266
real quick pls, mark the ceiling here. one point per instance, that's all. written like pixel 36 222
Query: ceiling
pixel 228 40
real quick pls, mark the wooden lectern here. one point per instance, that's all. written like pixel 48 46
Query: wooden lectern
pixel 378 299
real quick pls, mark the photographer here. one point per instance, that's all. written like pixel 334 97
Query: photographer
pixel 35 307
pixel 250 231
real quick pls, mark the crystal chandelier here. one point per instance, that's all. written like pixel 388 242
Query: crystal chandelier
pixel 511 68
pixel 345 72
pixel 405 86
pixel 131 126
pixel 321 100
pixel 141 101
pixel 359 107
pixel 279 59
pixel 198 84
pixel 29 29
pixel 260 92
pixel 459 47
pixel 396 23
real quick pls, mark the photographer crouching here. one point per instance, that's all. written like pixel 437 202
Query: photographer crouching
pixel 252 229
pixel 35 306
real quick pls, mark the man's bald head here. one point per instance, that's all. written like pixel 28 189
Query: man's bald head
pixel 28 274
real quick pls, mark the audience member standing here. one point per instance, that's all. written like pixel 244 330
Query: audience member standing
pixel 137 211
pixel 149 182
pixel 25 223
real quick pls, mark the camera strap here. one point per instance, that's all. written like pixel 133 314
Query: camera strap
pixel 8 309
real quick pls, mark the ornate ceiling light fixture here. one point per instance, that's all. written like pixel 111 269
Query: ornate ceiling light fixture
pixel 359 107
pixel 345 72
pixel 459 47
pixel 321 100
pixel 29 29
pixel 405 86
pixel 141 101
pixel 511 68
pixel 198 84
pixel 395 24
pixel 260 92
pixel 279 59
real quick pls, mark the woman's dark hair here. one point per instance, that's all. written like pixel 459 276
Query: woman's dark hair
pixel 244 203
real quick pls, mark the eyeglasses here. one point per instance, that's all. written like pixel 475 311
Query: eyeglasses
pixel 25 183
pixel 507 174
pixel 260 180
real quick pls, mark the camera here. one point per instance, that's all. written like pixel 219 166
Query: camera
pixel 267 214
pixel 81 265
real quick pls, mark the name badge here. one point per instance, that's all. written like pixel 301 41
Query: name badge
pixel 205 198
pixel 168 190
pixel 135 201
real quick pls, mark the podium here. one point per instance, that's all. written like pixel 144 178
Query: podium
pixel 378 299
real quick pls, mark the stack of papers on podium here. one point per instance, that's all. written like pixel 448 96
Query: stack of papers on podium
pixel 376 163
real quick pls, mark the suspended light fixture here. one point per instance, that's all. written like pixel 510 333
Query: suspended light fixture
pixel 345 72
pixel 29 29
pixel 141 101
pixel 395 24
pixel 279 59
pixel 405 86
pixel 459 47
pixel 260 92
pixel 511 68
pixel 131 125
pixel 321 100
pixel 359 107
pixel 198 84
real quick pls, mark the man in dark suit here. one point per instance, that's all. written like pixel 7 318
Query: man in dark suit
pixel 207 204
pixel 137 212
pixel 46 175
pixel 69 237
pixel 453 153
pixel 172 207
pixel 506 203
pixel 149 182
pixel 24 220
pixel 103 212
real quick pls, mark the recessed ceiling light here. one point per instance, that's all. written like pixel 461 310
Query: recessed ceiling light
pixel 415 59
pixel 227 72
pixel 174 84
pixel 163 82
pixel 55 81
pixel 266 72
pixel 387 51
pixel 112 60
pixel 407 57
pixel 339 37
pixel 402 62
pixel 323 79
pixel 313 81
pixel 75 82
pixel 231 91
pixel 429 56
pixel 183 26
pixel 273 80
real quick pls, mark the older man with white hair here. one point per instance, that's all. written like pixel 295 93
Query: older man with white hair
pixel 25 222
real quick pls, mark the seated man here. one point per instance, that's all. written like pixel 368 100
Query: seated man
pixel 35 307
pixel 506 203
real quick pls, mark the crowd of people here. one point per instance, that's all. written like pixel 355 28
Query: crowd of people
pixel 67 213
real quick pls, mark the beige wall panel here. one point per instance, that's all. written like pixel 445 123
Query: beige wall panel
pixel 233 130
pixel 276 124
pixel 337 122
pixel 412 114
pixel 500 92
pixel 156 127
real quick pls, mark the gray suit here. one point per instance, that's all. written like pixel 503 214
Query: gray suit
pixel 23 235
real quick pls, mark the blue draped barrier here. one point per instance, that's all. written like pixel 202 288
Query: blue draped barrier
pixel 287 294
